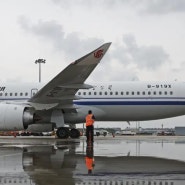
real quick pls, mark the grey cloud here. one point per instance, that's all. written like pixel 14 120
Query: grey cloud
pixel 89 3
pixel 45 29
pixel 71 44
pixel 149 57
pixel 129 53
pixel 158 6
pixel 163 6
pixel 142 6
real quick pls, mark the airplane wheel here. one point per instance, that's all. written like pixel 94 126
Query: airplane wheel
pixel 62 132
pixel 74 133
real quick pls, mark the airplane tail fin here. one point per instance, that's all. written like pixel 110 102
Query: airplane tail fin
pixel 94 57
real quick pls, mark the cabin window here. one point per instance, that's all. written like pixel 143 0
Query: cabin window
pixel 79 93
pixel 160 93
pixel 84 93
pixel 111 93
pixel 21 94
pixel 10 94
pixel 1 94
pixel 122 93
pixel 26 94
pixel 94 93
pixel 15 94
pixel 154 92
pixel 171 92
pixel 89 93
pixel 165 93
pixel 149 93
pixel 127 93
pixel 132 93
pixel 116 93
pixel 143 93
pixel 138 93
pixel 6 94
pixel 100 93
pixel 105 93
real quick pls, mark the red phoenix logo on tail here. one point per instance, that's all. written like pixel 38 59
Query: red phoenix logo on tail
pixel 98 53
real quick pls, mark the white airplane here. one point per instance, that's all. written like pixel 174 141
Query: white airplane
pixel 66 99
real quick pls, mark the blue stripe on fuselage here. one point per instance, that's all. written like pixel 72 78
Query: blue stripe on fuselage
pixel 129 103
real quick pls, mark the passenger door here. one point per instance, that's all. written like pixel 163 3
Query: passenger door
pixel 33 92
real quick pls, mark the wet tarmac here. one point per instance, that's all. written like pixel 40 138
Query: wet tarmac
pixel 121 160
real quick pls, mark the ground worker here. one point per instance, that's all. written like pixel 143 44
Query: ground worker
pixel 90 126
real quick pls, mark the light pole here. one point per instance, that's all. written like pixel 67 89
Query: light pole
pixel 40 61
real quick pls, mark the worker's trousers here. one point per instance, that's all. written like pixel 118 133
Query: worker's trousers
pixel 90 133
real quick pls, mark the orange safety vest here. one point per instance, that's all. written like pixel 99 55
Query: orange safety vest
pixel 89 120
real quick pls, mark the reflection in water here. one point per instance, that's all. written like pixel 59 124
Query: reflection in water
pixel 36 165
pixel 89 158
pixel 64 164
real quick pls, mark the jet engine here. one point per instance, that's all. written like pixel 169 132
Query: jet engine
pixel 15 117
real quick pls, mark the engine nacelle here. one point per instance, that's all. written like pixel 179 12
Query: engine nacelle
pixel 15 117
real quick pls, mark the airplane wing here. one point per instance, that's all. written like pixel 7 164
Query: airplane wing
pixel 61 90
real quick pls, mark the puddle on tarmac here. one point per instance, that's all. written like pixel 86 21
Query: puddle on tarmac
pixel 106 162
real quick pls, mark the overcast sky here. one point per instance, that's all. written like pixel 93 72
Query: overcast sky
pixel 148 39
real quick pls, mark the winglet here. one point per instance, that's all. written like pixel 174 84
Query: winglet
pixel 94 57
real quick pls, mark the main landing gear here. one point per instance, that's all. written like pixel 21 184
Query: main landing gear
pixel 63 133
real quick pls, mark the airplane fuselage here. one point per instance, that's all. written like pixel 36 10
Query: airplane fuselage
pixel 134 101
pixel 123 101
